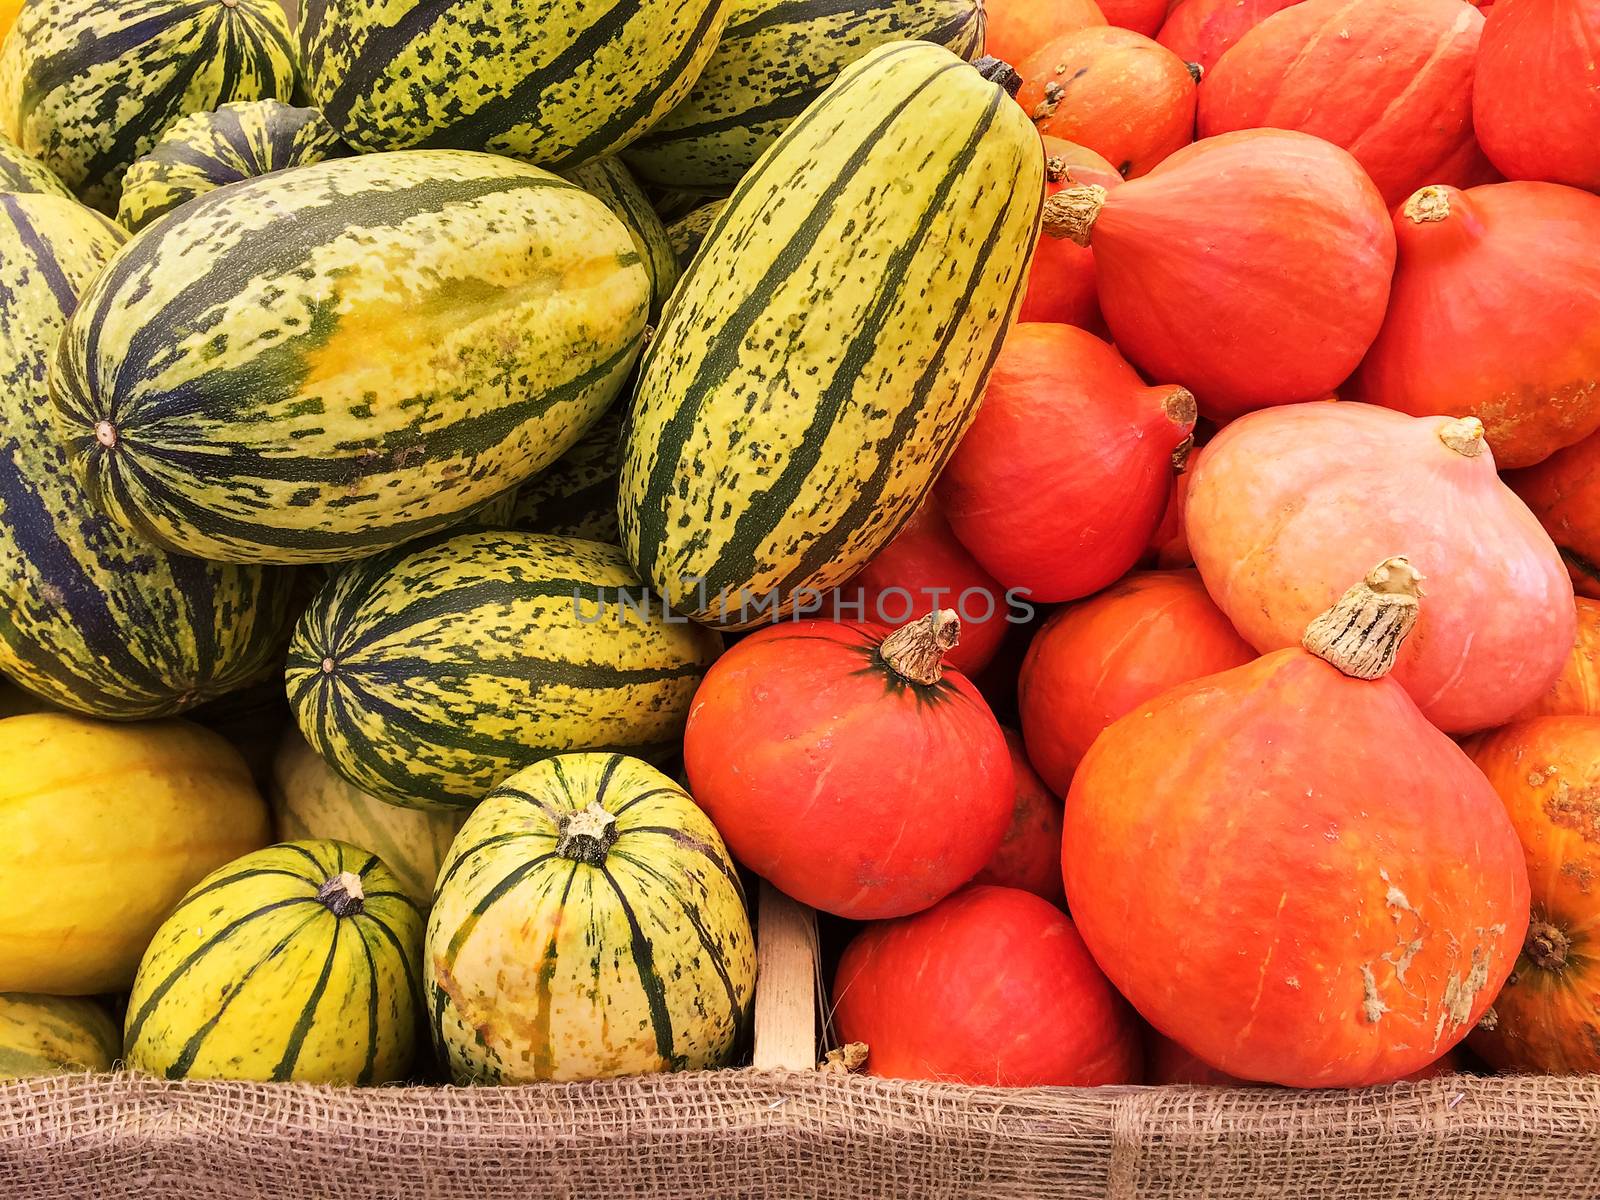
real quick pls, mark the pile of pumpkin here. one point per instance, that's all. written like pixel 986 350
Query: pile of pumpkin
pixel 573 467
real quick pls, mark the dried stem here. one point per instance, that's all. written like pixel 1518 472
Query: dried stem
pixel 1361 634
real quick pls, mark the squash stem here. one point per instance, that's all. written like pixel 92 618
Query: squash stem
pixel 915 652
pixel 1361 634
pixel 343 895
pixel 587 835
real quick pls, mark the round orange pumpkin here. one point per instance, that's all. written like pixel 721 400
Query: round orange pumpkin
pixel 1288 870
pixel 1016 28
pixel 1167 1062
pixel 991 986
pixel 1576 691
pixel 1493 316
pixel 1061 283
pixel 1200 31
pixel 1564 493
pixel 1096 660
pixel 1120 93
pixel 1030 856
pixel 1547 772
pixel 1142 16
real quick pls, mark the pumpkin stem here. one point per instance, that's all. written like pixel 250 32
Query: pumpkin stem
pixel 1464 435
pixel 1180 407
pixel 1547 946
pixel 1055 168
pixel 1429 204
pixel 343 894
pixel 1071 212
pixel 1361 634
pixel 1180 456
pixel 997 70
pixel 915 652
pixel 1196 71
pixel 587 835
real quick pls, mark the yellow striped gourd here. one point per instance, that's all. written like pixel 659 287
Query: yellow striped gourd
pixel 51 1035
pixel 576 496
pixel 588 923
pixel 688 232
pixel 826 349
pixel 21 172
pixel 297 962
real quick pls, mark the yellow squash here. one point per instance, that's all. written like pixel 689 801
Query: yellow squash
pixel 49 1035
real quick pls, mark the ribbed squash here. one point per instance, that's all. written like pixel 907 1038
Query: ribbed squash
pixel 688 232
pixel 310 800
pixel 865 324
pixel 429 675
pixel 50 1035
pixel 91 617
pixel 776 57
pixel 104 828
pixel 322 363
pixel 576 496
pixel 588 923
pixel 208 150
pixel 21 172
pixel 610 182
pixel 558 82
pixel 301 961
pixel 88 86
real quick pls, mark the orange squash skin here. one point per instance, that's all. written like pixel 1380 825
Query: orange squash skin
pixel 1492 316
pixel 1389 80
pixel 1547 772
pixel 1030 856
pixel 1288 505
pixel 1096 660
pixel 1061 282
pixel 1120 93
pixel 1142 16
pixel 1536 98
pixel 1017 28
pixel 991 986
pixel 1564 493
pixel 1363 894
pixel 1167 1062
pixel 1200 31
pixel 1576 691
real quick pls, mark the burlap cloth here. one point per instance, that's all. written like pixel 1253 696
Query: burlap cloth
pixel 792 1136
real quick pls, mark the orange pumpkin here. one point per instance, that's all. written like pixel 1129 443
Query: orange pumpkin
pixel 1564 493
pixel 1287 869
pixel 1061 282
pixel 1017 28
pixel 1576 693
pixel 1199 31
pixel 1142 16
pixel 1030 856
pixel 1547 1019
pixel 1123 95
pixel 1167 1062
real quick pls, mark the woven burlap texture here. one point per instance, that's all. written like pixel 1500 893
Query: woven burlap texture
pixel 794 1136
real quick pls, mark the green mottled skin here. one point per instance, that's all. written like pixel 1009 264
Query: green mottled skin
pixel 20 172
pixel 576 496
pixel 687 233
pixel 49 1035
pixel 608 181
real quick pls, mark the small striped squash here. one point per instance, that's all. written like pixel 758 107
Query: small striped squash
pixel 429 675
pixel 208 150
pixel 321 363
pixel 87 86
pixel 21 172
pixel 576 496
pixel 687 233
pixel 298 962
pixel 775 58
pixel 857 285
pixel 310 800
pixel 671 204
pixel 51 1035
pixel 103 828
pixel 91 617
pixel 608 181
pixel 588 923
pixel 558 82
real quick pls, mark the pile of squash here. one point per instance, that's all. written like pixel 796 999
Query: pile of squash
pixel 1100 499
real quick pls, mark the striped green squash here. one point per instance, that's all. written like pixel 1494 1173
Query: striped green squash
pixel 559 82
pixel 322 363
pixel 577 495
pixel 775 58
pixel 87 86
pixel 92 618
pixel 687 233
pixel 826 349
pixel 588 923
pixel 298 962
pixel 608 181
pixel 310 800
pixel 428 675
pixel 208 150
pixel 51 1035
pixel 671 204
pixel 20 172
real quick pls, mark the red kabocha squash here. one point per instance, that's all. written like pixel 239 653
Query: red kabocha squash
pixel 1123 95
pixel 1142 16
pixel 1199 31
pixel 1493 316
pixel 1547 772
pixel 1030 856
pixel 1564 493
pixel 1061 479
pixel 1289 870
pixel 925 569
pixel 851 771
pixel 1536 97
pixel 1096 660
pixel 1061 285
pixel 1169 544
pixel 1389 80
pixel 1167 1062
pixel 1016 28
pixel 1287 505
pixel 1253 268
pixel 1576 691
pixel 992 986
